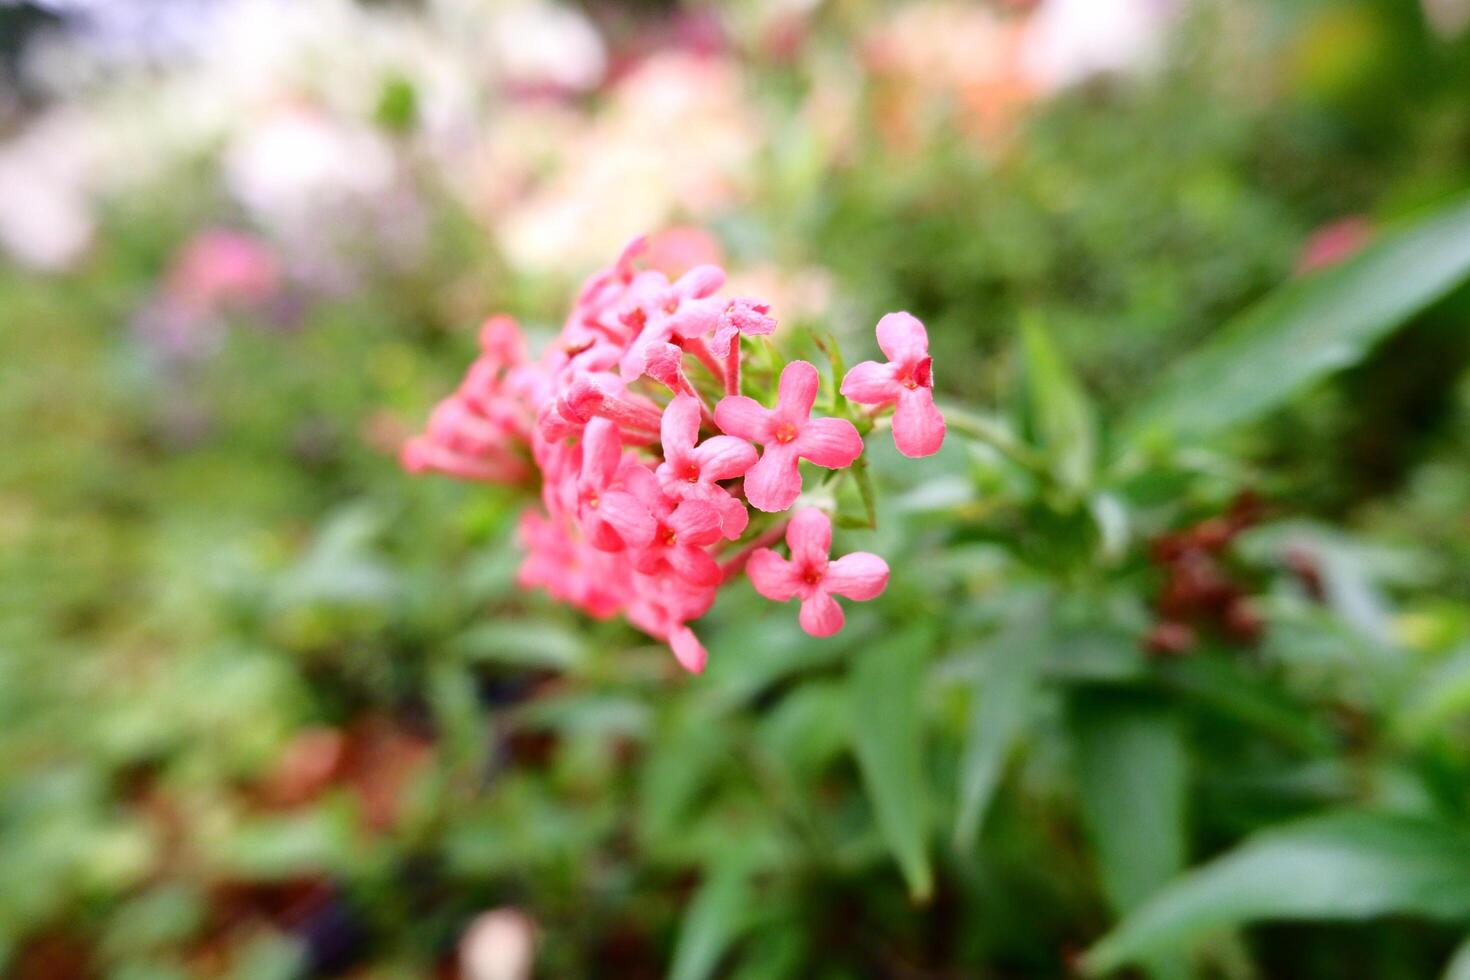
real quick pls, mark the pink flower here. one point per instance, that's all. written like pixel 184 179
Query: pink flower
pixel 680 533
pixel 724 319
pixel 788 434
pixel 665 364
pixel 655 310
pixel 662 605
pixel 676 250
pixel 746 317
pixel 610 517
pixel 634 506
pixel 812 577
pixel 692 472
pixel 570 569
pixel 907 381
pixel 1333 243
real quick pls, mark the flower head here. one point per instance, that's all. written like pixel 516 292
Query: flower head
pixel 639 499
pixel 811 576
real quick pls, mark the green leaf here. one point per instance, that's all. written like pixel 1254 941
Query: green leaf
pixel 1004 694
pixel 1061 415
pixel 887 736
pixel 718 915
pixel 1132 770
pixel 1345 865
pixel 1458 967
pixel 524 643
pixel 1309 328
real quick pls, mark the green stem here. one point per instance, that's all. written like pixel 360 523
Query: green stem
pixel 995 435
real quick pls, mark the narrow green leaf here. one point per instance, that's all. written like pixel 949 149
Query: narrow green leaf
pixel 1458 967
pixel 1132 769
pixel 1060 411
pixel 1309 328
pixel 1346 865
pixel 887 736
pixel 524 643
pixel 1000 706
pixel 718 915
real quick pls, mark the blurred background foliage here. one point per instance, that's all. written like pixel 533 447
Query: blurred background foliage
pixel 273 709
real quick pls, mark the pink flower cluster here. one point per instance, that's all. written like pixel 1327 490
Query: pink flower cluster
pixel 651 457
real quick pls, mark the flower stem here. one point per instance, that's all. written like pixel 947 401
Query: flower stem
pixel 768 537
pixel 996 435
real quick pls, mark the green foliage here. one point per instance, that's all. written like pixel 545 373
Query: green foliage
pixel 1337 866
pixel 1315 326
pixel 887 721
pixel 250 672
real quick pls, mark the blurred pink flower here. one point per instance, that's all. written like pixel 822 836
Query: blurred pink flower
pixel 218 267
pixel 1334 242
pixel 674 251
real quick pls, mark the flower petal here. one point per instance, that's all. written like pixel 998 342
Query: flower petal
pixel 833 443
pixel 774 482
pixel 602 451
pixel 744 417
pixel 859 576
pixel 700 281
pixel 724 335
pixel 690 653
pixel 693 564
pixel 821 615
pixel 918 426
pixel 634 524
pixel 723 457
pixel 695 522
pixel 734 518
pixel 871 383
pixel 665 364
pixel 697 317
pixel 628 516
pixel 902 337
pixel 796 393
pixel 680 425
pixel 773 576
pixel 809 536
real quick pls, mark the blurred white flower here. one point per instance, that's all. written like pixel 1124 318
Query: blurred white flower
pixel 295 160
pixel 498 945
pixel 327 190
pixel 1069 41
pixel 677 138
pixel 46 219
pixel 540 46
pixel 1449 18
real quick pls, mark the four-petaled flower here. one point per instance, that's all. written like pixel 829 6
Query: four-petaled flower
pixel 681 531
pixel 812 576
pixel 691 472
pixel 906 381
pixel 788 434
